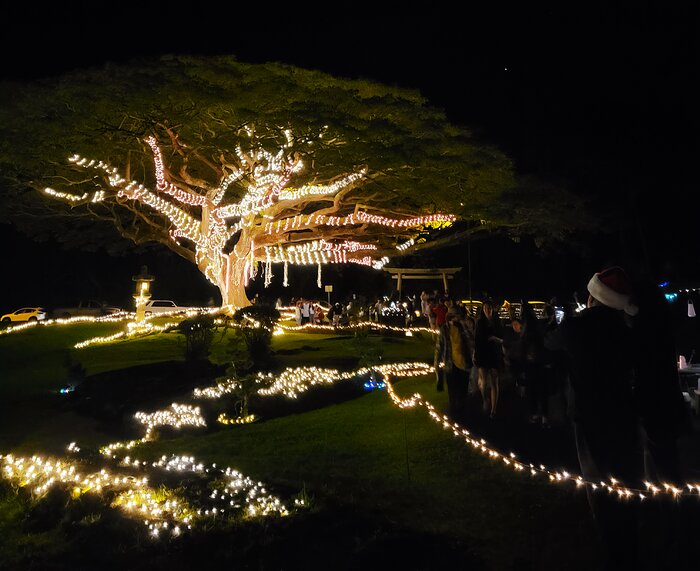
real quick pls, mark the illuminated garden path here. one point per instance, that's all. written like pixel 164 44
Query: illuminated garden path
pixel 129 482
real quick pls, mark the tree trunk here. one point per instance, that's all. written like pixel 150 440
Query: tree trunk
pixel 234 293
pixel 228 272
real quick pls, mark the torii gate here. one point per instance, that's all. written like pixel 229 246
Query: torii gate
pixel 401 274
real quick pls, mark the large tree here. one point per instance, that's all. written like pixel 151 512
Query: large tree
pixel 237 167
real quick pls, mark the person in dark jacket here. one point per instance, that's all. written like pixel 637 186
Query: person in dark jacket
pixel 664 418
pixel 488 355
pixel 534 367
pixel 512 352
pixel 599 350
pixel 658 394
pixel 335 313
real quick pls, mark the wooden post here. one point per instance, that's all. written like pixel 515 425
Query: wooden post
pixel 398 285
pixel 444 281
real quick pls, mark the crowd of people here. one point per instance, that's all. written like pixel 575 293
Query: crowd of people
pixel 381 309
pixel 611 365
pixel 614 364
pixel 307 311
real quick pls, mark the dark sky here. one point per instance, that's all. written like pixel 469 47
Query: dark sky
pixel 602 97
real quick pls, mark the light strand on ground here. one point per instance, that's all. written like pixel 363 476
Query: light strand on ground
pixel 120 316
pixel 612 486
pixel 161 510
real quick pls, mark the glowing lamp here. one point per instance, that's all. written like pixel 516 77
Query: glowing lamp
pixel 143 282
pixel 143 292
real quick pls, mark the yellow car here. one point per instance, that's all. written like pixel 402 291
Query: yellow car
pixel 25 314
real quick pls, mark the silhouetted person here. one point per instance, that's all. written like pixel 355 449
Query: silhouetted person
pixel 599 350
pixel 488 355
pixel 534 372
pixel 664 417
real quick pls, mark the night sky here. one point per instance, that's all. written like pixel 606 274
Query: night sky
pixel 601 98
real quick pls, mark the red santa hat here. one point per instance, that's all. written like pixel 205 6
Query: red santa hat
pixel 612 287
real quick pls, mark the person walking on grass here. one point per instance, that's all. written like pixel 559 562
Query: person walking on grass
pixel 455 347
pixel 439 310
pixel 535 373
pixel 488 355
pixel 664 419
pixel 426 301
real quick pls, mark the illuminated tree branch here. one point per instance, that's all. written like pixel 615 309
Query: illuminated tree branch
pixel 320 237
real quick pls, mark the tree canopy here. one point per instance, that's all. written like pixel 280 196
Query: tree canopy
pixel 210 118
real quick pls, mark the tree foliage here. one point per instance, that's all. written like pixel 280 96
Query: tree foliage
pixel 199 110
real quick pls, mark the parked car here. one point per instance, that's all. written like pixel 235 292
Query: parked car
pixel 163 306
pixel 89 308
pixel 25 314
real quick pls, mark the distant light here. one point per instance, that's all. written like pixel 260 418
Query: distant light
pixel 664 284
pixel 671 296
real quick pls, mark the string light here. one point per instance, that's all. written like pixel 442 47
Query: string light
pixel 161 510
pixel 265 178
pixel 120 316
pixel 292 382
pixel 224 419
pixel 163 514
pixel 613 486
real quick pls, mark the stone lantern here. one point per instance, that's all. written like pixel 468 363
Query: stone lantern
pixel 143 292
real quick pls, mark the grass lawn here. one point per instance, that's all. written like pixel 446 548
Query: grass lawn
pixel 388 486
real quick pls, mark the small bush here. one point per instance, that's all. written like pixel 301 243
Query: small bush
pixel 199 333
pixel 266 315
pixel 367 347
pixel 257 324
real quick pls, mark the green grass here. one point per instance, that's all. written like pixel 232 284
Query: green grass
pixel 365 456
pixel 33 360
pixel 31 415
pixel 399 465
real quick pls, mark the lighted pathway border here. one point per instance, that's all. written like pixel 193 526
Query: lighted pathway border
pixel 159 514
pixel 293 381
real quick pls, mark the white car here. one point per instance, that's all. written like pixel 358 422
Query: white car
pixel 163 306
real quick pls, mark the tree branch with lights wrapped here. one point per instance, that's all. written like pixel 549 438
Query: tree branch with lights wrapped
pixel 246 169
pixel 273 223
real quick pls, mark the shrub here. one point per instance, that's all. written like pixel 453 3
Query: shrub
pixel 257 324
pixel 266 315
pixel 199 333
pixel 366 347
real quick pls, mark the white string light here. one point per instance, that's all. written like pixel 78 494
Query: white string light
pixel 265 179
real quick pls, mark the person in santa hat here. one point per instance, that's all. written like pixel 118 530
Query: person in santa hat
pixel 597 347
